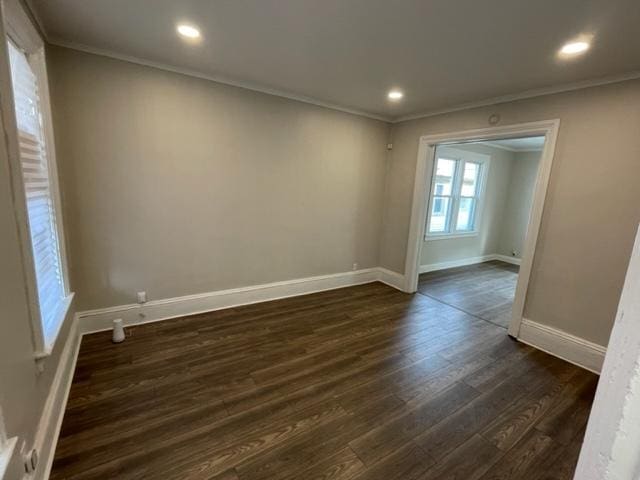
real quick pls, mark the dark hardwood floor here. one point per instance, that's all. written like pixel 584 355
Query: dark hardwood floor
pixel 358 383
pixel 484 290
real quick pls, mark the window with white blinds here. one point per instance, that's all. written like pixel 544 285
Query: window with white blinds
pixel 38 191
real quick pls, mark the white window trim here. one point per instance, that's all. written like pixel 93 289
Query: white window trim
pixel 485 161
pixel 20 29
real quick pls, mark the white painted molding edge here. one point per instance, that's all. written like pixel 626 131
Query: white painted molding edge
pixel 164 309
pixel 507 259
pixel 214 78
pixel 393 279
pixel 568 87
pixel 432 267
pixel 56 404
pixel 558 343
pixel 538 92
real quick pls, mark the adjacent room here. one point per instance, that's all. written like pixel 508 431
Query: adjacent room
pixel 479 209
pixel 319 239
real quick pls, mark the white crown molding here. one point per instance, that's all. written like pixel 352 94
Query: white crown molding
pixel 538 92
pixel 214 78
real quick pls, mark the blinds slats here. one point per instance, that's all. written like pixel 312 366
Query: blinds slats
pixel 37 186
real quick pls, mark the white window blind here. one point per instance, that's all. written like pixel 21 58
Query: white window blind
pixel 38 191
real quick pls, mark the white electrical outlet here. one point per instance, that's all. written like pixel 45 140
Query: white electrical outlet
pixel 142 297
pixel 355 267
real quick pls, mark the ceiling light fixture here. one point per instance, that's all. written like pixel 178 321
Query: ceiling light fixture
pixel 574 48
pixel 188 31
pixel 395 95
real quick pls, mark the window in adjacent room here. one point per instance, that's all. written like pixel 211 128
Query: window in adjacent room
pixel 455 197
pixel 48 289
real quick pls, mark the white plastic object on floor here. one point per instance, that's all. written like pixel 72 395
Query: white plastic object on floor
pixel 118 331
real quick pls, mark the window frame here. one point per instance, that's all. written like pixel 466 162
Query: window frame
pixel 461 159
pixel 20 30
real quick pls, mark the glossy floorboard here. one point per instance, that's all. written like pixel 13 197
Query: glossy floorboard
pixel 358 383
pixel 485 290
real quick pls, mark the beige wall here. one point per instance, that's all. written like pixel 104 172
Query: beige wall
pixel 518 203
pixel 177 185
pixel 23 389
pixel 591 212
pixel 302 189
pixel 491 214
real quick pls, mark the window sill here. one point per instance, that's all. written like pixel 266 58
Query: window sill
pixel 51 338
pixel 431 238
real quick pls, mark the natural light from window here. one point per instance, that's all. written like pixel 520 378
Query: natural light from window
pixel 38 191
pixel 455 197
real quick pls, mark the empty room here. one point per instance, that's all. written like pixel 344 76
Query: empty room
pixel 480 200
pixel 295 239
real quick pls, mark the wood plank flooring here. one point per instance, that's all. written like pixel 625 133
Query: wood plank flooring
pixel 484 290
pixel 361 383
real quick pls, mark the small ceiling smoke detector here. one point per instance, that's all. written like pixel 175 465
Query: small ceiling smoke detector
pixel 395 95
pixel 188 31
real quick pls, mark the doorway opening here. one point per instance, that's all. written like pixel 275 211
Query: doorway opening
pixel 478 203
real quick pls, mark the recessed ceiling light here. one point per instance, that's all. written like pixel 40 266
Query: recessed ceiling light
pixel 188 31
pixel 395 95
pixel 574 48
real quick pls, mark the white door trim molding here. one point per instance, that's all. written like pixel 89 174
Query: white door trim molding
pixel 558 343
pixel 424 168
pixel 164 309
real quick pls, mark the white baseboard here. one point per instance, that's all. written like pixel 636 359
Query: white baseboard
pixel 53 413
pixel 393 279
pixel 156 310
pixel 467 261
pixel 561 344
pixel 507 259
pixel 454 263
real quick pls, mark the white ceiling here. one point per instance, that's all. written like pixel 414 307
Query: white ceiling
pixel 349 53
pixel 526 144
